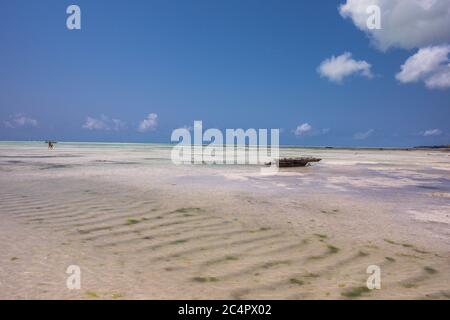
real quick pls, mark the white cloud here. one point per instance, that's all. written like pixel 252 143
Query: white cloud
pixel 149 124
pixel 431 132
pixel 104 123
pixel 363 135
pixel 439 80
pixel 118 124
pixel 94 124
pixel 303 129
pixel 430 65
pixel 404 23
pixel 20 120
pixel 337 68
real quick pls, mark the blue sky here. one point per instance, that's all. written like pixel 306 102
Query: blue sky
pixel 231 64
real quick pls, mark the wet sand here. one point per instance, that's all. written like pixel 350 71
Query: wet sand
pixel 140 227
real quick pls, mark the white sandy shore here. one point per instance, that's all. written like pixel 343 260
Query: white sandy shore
pixel 140 227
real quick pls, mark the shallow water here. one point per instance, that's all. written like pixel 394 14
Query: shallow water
pixel 142 227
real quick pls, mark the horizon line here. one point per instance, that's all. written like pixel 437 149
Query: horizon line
pixel 443 146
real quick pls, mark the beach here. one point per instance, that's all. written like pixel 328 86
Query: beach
pixel 140 227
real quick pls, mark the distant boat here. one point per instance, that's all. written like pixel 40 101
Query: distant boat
pixel 293 162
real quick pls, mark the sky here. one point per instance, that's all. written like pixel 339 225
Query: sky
pixel 136 70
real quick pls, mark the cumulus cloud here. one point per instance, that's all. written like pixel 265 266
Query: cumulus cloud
pixel 405 24
pixel 337 68
pixel 431 132
pixel 149 124
pixel 20 120
pixel 430 65
pixel 104 123
pixel 94 124
pixel 363 135
pixel 303 129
